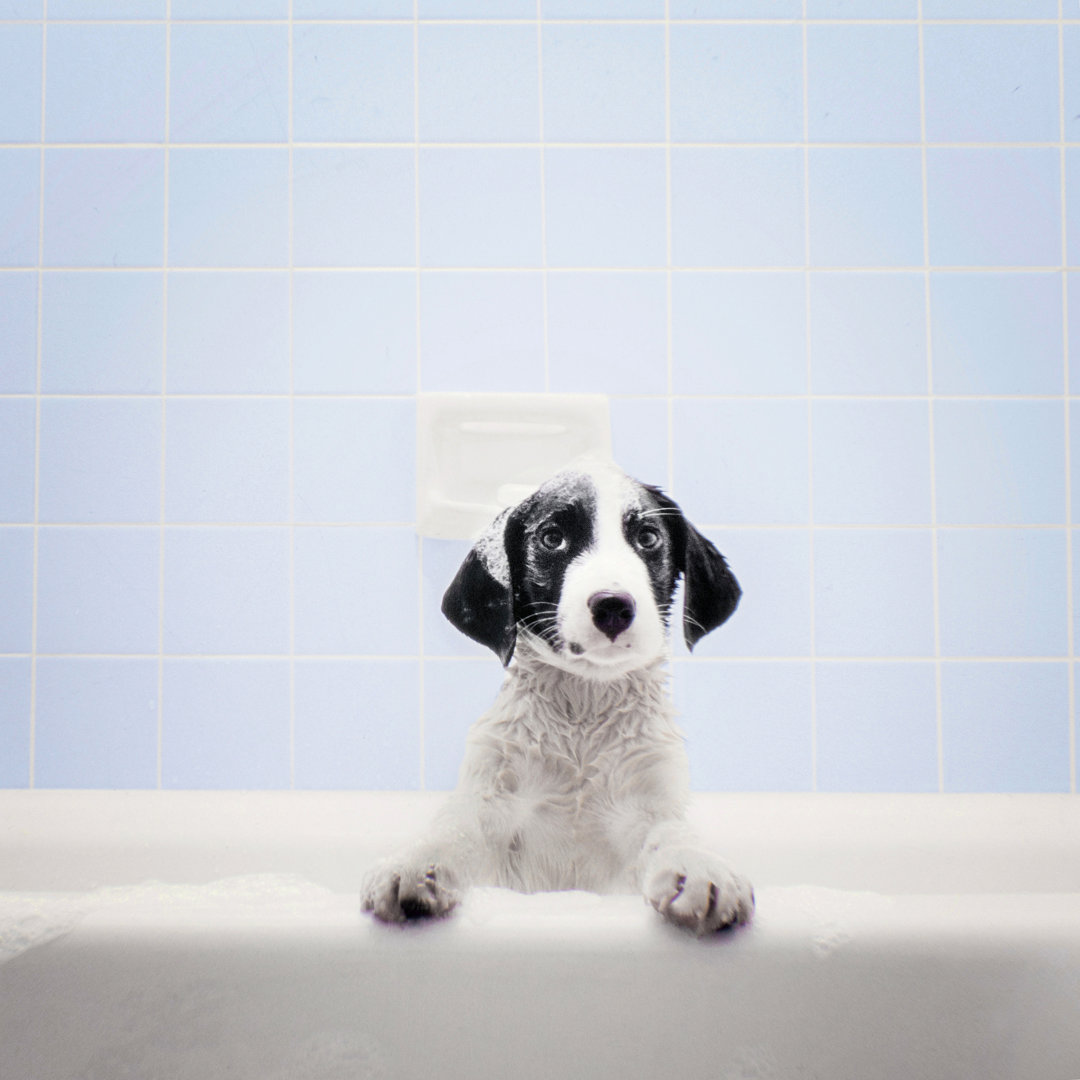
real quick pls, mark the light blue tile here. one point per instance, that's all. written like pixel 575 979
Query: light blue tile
pixel 868 333
pixel 736 9
pixel 1006 727
pixel 101 333
pixel 17 436
pixel 863 83
pixel 228 333
pixel 604 83
pixel 441 559
pixel 874 592
pixel 14 722
pixel 990 9
pixel 357 591
pixel 997 333
pixel 871 463
pixel 229 84
pixel 357 724
pixel 876 727
pixel 736 83
pixel 354 333
pixel 104 207
pixel 607 333
pixel 229 207
pixel 227 460
pixel 98 590
pixel 639 437
pixel 773 568
pixel 1002 592
pixel 226 591
pixel 606 207
pixel 990 207
pixel 602 9
pixel 478 83
pixel 1071 70
pixel 96 723
pixel 1073 302
pixel 18 343
pixel 20 60
pixel 476 9
pixel 1072 195
pixel 866 207
pixel 16 589
pixel 737 207
pixel 353 208
pixel 747 725
pixel 352 9
pixel 100 460
pixel 229 9
pixel 742 463
pixel 862 9
pixel 107 9
pixel 352 83
pixel 991 83
pixel 17 442
pixel 482 332
pixel 225 725
pixel 354 460
pixel 456 693
pixel 105 83
pixel 480 208
pixel 20 173
pixel 1000 462
pixel 739 333
pixel 21 9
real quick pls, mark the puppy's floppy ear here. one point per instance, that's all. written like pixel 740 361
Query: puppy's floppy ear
pixel 711 593
pixel 479 601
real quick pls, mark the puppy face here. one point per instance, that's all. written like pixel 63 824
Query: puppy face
pixel 587 568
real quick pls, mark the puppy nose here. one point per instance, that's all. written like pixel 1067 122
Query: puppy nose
pixel 612 612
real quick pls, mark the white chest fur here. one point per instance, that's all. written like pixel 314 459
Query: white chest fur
pixel 569 774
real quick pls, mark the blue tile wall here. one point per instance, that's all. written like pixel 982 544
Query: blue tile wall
pixel 823 256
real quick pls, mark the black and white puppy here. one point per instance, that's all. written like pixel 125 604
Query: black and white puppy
pixel 577 777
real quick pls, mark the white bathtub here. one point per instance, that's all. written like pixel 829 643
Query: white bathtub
pixel 196 936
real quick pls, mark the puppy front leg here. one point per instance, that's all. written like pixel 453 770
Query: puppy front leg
pixel 690 885
pixel 427 880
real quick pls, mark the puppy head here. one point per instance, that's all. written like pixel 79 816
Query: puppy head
pixel 587 568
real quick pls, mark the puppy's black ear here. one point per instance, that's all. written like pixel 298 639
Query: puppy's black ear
pixel 710 592
pixel 478 603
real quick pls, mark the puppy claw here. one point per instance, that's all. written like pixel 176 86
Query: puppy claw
pixel 408 895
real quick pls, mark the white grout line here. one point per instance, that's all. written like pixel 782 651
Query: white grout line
pixel 160 741
pixel 292 431
pixel 421 690
pixel 807 278
pixel 32 739
pixel 657 269
pixel 544 279
pixel 939 723
pixel 1069 573
pixel 554 20
pixel 505 144
pixel 725 658
pixel 669 280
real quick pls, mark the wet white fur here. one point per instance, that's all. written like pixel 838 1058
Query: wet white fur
pixel 577 777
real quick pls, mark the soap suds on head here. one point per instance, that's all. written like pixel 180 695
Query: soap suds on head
pixel 491 550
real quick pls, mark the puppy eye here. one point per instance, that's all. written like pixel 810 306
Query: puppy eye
pixel 552 538
pixel 648 538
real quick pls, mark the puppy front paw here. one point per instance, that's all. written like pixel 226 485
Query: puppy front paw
pixel 701 895
pixel 396 893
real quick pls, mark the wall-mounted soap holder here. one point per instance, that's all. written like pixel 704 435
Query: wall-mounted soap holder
pixel 479 453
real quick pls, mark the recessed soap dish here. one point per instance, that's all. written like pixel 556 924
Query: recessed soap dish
pixel 477 454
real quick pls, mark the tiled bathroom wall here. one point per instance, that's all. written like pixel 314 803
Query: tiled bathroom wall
pixel 820 253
